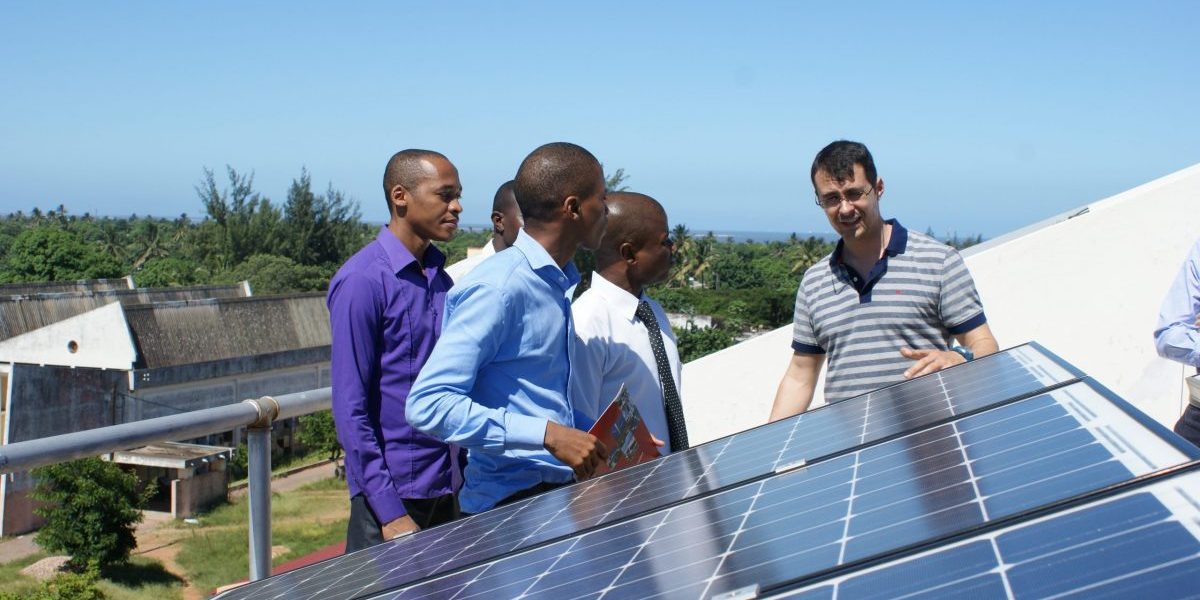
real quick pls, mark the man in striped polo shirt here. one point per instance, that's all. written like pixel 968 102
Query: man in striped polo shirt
pixel 886 305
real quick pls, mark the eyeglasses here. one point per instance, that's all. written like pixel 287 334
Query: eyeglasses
pixel 834 199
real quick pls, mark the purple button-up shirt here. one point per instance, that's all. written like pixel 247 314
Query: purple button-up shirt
pixel 385 313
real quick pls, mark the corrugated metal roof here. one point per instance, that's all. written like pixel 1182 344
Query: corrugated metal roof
pixel 22 313
pixel 53 287
pixel 177 333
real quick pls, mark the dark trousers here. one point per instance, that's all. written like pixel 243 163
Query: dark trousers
pixel 364 529
pixel 528 492
pixel 1188 426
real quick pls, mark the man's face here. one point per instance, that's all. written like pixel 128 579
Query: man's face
pixel 431 209
pixel 656 256
pixel 594 214
pixel 510 221
pixel 857 219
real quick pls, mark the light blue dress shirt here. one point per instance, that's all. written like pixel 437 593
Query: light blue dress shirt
pixel 500 371
pixel 1176 336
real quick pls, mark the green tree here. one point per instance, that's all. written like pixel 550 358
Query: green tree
pixel 696 342
pixel 170 272
pixel 91 508
pixel 317 229
pixel 49 253
pixel 616 181
pixel 241 223
pixel 317 432
pixel 272 274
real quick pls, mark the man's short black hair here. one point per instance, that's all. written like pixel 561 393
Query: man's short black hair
pixel 551 173
pixel 629 220
pixel 404 169
pixel 505 196
pixel 838 159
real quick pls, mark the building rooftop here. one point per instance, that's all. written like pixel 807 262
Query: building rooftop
pixel 193 331
pixel 26 307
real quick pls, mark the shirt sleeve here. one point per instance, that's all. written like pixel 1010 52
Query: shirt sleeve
pixel 355 320
pixel 476 322
pixel 804 337
pixel 588 369
pixel 959 303
pixel 1175 335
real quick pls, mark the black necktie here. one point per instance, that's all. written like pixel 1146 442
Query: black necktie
pixel 675 424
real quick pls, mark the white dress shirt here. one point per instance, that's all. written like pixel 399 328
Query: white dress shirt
pixel 460 269
pixel 613 347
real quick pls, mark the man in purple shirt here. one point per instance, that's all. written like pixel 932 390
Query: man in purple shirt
pixel 385 313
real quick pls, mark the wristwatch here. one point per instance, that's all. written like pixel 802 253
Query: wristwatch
pixel 965 352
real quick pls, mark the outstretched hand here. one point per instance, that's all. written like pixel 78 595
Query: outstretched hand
pixel 577 449
pixel 930 361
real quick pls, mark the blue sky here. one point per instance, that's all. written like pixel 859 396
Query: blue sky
pixel 983 117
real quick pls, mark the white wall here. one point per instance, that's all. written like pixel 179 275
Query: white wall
pixel 1088 288
pixel 101 340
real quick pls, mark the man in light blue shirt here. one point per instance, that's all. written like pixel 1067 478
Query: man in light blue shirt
pixel 498 378
pixel 1176 336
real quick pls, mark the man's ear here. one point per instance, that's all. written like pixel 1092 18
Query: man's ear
pixel 497 222
pixel 879 188
pixel 571 206
pixel 399 198
pixel 628 252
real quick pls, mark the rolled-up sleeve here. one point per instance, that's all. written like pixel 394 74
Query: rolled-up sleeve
pixel 1175 336
pixel 355 320
pixel 440 403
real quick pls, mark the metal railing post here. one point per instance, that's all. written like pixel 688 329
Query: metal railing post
pixel 257 415
pixel 258 449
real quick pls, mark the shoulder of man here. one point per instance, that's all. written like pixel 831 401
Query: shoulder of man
pixel 590 313
pixel 817 270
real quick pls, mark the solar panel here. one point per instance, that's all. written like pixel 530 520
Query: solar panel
pixel 828 431
pixel 1144 541
pixel 863 504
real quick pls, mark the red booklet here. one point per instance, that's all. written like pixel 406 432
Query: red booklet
pixel 622 431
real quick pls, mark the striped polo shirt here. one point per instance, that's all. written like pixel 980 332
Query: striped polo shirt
pixel 918 295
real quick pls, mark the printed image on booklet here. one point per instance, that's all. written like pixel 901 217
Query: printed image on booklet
pixel 621 430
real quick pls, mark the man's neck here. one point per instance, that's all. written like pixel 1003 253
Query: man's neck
pixel 865 252
pixel 498 243
pixel 415 243
pixel 560 246
pixel 619 277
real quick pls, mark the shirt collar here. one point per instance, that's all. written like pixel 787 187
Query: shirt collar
pixel 897 243
pixel 543 264
pixel 621 301
pixel 398 256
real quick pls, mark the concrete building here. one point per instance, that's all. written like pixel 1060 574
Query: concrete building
pixel 1087 284
pixel 129 359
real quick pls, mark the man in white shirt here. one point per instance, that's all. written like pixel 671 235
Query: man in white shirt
pixel 506 222
pixel 622 335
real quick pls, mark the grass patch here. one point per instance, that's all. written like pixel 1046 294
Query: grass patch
pixel 292 461
pixel 216 552
pixel 11 579
pixel 328 484
pixel 141 579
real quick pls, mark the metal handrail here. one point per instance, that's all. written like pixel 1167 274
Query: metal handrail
pixel 255 414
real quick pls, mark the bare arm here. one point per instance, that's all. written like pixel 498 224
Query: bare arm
pixel 796 389
pixel 979 340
